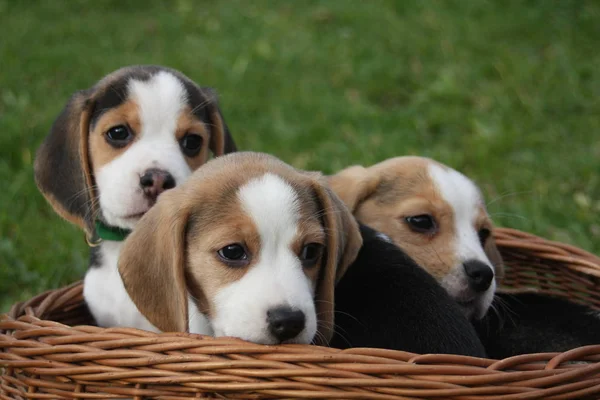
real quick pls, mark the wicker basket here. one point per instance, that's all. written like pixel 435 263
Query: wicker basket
pixel 48 351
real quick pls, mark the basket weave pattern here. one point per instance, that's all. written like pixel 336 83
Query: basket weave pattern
pixel 48 350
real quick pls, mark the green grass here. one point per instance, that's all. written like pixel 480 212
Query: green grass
pixel 505 91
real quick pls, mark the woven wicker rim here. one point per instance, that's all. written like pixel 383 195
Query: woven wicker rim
pixel 45 359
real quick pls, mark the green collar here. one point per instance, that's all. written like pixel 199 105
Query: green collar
pixel 106 232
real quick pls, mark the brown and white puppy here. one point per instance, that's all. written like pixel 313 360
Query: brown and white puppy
pixel 257 244
pixel 436 215
pixel 111 152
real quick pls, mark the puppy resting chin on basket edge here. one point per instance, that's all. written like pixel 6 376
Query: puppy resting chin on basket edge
pixel 438 217
pixel 111 152
pixel 259 246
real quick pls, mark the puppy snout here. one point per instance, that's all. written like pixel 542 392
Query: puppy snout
pixel 480 275
pixel 285 323
pixel 155 181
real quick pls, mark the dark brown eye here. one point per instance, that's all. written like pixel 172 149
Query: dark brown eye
pixel 424 223
pixel 233 254
pixel 191 144
pixel 310 253
pixel 119 136
pixel 483 234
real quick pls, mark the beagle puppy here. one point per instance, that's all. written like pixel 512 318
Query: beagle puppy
pixel 436 215
pixel 112 151
pixel 259 246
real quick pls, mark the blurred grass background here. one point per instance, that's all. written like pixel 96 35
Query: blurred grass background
pixel 505 91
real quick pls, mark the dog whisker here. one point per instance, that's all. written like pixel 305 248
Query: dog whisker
pixel 509 215
pixel 200 106
pixel 336 330
pixel 338 312
pixel 318 336
pixel 507 194
pixel 503 310
pixel 80 193
pixel 120 95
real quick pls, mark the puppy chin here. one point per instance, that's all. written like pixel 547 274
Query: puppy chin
pixel 125 215
pixel 127 222
pixel 474 305
pixel 479 306
pixel 261 337
pixel 485 301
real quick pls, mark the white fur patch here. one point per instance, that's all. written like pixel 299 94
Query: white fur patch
pixel 277 277
pixel 465 199
pixel 160 101
pixel 106 296
pixel 110 303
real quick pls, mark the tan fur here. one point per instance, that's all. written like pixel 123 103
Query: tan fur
pixel 208 236
pixel 101 153
pixel 75 219
pixel 209 217
pixel 205 269
pixel 188 123
pixel 353 184
pixel 217 142
pixel 157 249
pixel 381 196
pixel 67 131
pixel 343 243
pixel 65 162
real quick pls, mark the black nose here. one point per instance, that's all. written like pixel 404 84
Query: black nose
pixel 285 323
pixel 155 181
pixel 480 275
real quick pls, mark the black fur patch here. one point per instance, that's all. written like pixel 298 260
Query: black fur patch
pixel 198 101
pixel 524 323
pixel 114 96
pixel 117 92
pixel 95 257
pixel 386 300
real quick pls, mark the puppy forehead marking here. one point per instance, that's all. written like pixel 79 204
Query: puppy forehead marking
pixel 272 204
pixel 458 190
pixel 465 200
pixel 160 100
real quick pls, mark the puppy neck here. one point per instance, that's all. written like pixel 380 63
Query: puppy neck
pixel 103 231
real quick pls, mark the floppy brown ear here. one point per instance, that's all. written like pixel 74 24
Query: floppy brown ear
pixel 62 169
pixel 353 185
pixel 221 141
pixel 343 243
pixel 152 265
pixel 493 254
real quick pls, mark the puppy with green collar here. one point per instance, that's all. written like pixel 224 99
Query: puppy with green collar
pixel 114 148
